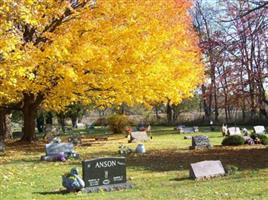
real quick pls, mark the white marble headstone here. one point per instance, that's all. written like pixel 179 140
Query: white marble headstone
pixel 259 129
pixel 139 136
pixel 234 131
pixel 206 169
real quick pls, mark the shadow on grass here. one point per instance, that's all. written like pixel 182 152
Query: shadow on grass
pixel 180 179
pixel 62 192
pixel 168 160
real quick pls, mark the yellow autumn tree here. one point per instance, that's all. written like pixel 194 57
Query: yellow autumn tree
pixel 106 52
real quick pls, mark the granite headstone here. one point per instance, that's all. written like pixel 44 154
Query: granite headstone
pixel 206 169
pixel 200 142
pixel 105 173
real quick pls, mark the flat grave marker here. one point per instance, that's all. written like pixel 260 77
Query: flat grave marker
pixel 206 169
pixel 105 173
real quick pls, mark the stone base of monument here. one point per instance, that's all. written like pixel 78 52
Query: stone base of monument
pixel 108 188
pixel 201 147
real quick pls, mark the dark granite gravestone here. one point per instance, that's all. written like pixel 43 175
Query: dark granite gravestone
pixel 17 134
pixel 206 169
pixel 200 142
pixel 105 173
pixel 139 136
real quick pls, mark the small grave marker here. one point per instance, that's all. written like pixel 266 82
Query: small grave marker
pixel 17 134
pixel 188 137
pixel 234 131
pixel 184 129
pixel 200 142
pixel 138 136
pixel 259 130
pixel 105 173
pixel 206 169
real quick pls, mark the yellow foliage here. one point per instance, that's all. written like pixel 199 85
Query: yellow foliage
pixel 131 51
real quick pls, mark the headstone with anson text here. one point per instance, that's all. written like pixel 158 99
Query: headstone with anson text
pixel 105 173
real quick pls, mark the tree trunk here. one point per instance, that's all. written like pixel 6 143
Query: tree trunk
pixel 40 121
pixel 169 113
pixel 61 120
pixel 5 125
pixel 29 110
pixel 29 115
pixel 74 120
pixel 156 112
pixel 207 107
pixel 49 118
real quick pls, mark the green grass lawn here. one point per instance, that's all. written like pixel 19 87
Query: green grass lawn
pixel 161 173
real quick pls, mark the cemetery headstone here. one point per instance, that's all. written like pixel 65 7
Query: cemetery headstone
pixel 56 148
pixel 259 130
pixel 105 173
pixel 200 142
pixel 188 129
pixel 179 127
pixel 234 131
pixel 206 169
pixel 57 151
pixel 139 136
pixel 17 134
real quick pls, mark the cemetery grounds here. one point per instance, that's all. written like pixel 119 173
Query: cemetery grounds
pixel 161 173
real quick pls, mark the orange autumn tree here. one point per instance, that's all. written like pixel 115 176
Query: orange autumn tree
pixel 106 52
